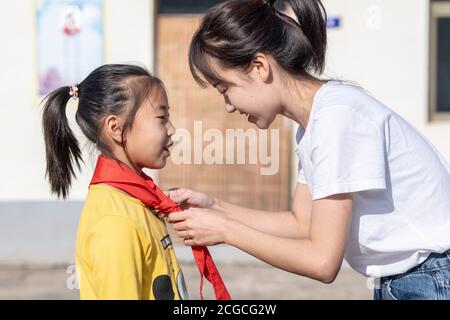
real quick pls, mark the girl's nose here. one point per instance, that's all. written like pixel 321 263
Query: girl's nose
pixel 171 130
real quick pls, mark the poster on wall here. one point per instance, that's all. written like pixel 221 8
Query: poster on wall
pixel 70 41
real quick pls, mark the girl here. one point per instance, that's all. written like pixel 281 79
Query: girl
pixel 123 250
pixel 370 186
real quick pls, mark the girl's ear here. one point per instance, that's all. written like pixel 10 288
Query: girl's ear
pixel 261 64
pixel 113 128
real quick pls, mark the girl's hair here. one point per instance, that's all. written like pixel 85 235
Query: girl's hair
pixel 235 30
pixel 112 89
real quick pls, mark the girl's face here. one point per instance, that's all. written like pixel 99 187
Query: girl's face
pixel 252 93
pixel 149 139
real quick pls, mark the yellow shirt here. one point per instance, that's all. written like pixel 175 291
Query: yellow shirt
pixel 123 250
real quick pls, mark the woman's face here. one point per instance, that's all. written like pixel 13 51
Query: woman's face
pixel 252 92
pixel 149 139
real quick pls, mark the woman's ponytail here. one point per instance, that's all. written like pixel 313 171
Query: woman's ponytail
pixel 234 31
pixel 61 146
pixel 312 18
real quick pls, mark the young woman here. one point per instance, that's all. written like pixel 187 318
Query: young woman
pixel 370 187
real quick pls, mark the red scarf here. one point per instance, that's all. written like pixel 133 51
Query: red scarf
pixel 143 188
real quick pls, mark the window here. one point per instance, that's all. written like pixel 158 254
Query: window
pixel 440 60
pixel 185 6
pixel 193 6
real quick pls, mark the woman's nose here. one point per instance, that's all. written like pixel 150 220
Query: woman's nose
pixel 230 108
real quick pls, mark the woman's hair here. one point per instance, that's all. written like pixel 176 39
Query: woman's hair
pixel 112 89
pixel 235 30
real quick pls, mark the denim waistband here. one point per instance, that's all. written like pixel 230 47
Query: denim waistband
pixel 435 261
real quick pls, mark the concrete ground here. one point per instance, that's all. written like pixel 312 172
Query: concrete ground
pixel 244 281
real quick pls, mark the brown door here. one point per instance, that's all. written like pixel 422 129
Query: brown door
pixel 242 184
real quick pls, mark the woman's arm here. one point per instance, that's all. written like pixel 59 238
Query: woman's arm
pixel 293 224
pixel 319 256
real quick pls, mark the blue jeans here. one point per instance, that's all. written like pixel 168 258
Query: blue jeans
pixel 429 280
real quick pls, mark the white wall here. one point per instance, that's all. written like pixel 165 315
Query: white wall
pixel 129 33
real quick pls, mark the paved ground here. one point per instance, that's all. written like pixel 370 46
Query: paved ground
pixel 36 233
pixel 244 281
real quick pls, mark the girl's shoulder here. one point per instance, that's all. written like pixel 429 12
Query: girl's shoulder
pixel 106 205
pixel 107 194
pixel 105 200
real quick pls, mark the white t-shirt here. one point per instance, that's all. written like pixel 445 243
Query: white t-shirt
pixel 400 182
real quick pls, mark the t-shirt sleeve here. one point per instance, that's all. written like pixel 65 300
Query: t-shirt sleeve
pixel 347 153
pixel 115 251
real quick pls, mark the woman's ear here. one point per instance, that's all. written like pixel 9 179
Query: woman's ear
pixel 113 128
pixel 261 65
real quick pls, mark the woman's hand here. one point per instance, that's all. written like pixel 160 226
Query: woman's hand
pixel 198 226
pixel 187 198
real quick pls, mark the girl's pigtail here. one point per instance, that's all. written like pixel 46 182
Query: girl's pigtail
pixel 61 146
